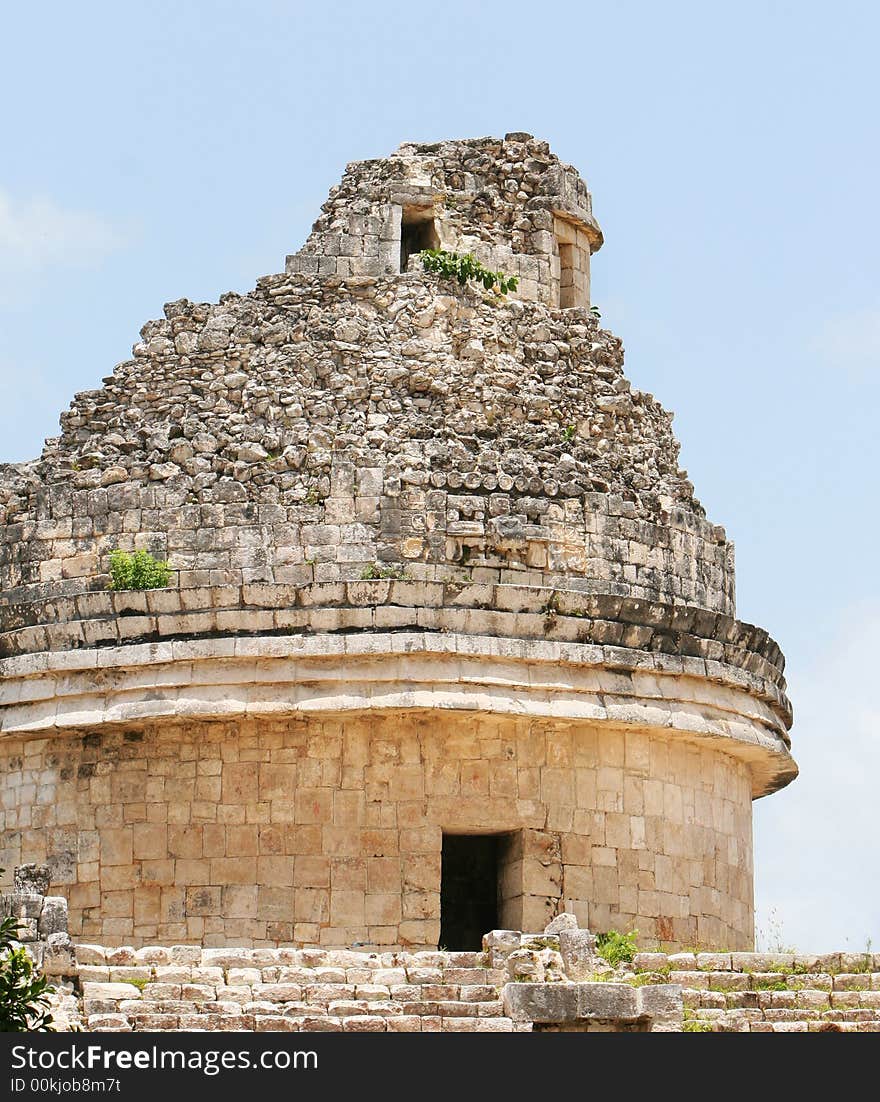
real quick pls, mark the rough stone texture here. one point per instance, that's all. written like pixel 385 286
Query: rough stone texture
pixel 518 983
pixel 185 988
pixel 329 832
pixel 779 992
pixel 511 203
pixel 319 424
pixel 434 567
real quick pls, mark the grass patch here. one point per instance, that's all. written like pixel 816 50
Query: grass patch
pixel 140 984
pixel 616 947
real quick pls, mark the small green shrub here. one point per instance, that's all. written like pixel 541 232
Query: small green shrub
pixel 137 570
pixel 616 947
pixel 462 268
pixel 696 1027
pixel 376 571
pixel 24 993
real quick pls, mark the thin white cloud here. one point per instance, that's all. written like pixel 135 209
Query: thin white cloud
pixel 817 860
pixel 38 236
pixel 850 345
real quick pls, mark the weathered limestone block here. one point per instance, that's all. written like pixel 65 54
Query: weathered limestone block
pixel 31 879
pixel 53 916
pixel 562 922
pixel 578 1005
pixel 58 956
pixel 578 950
pixel 540 1002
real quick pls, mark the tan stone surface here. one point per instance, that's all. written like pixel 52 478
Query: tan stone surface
pixel 328 830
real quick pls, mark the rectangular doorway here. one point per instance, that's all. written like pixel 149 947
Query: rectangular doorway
pixel 471 870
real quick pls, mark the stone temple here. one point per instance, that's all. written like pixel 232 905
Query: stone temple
pixel 449 644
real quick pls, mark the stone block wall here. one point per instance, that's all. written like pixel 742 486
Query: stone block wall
pixel 295 990
pixel 41 919
pixel 369 522
pixel 328 831
pixel 289 990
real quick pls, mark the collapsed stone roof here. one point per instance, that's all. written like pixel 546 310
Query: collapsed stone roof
pixel 265 388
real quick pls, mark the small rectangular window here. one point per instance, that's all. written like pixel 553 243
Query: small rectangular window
pixel 567 287
pixel 417 232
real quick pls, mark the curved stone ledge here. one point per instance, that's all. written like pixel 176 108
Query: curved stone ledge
pixel 531 612
pixel 396 671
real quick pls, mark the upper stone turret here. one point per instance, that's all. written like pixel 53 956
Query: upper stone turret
pixel 511 203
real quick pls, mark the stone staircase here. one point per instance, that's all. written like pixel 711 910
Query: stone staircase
pixel 185 987
pixel 770 993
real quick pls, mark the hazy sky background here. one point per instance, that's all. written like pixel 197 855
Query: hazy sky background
pixel 156 150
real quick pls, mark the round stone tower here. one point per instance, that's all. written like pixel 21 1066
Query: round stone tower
pixel 448 643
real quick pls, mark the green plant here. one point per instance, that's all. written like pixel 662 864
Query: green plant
pixel 696 1027
pixel 647 979
pixel 762 984
pixel 137 570
pixel 140 983
pixel 616 947
pixel 568 433
pixel 376 571
pixel 594 310
pixel 24 993
pixel 450 265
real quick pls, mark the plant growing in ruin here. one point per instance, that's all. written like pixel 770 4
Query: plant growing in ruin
pixel 24 993
pixel 450 265
pixel 137 570
pixel 376 571
pixel 616 947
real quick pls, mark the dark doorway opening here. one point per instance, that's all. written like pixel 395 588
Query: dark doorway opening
pixel 468 889
pixel 417 232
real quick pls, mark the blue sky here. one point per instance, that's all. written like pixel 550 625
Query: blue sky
pixel 157 150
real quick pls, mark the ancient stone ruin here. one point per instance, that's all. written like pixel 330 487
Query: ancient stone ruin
pixel 448 645
pixel 553 981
